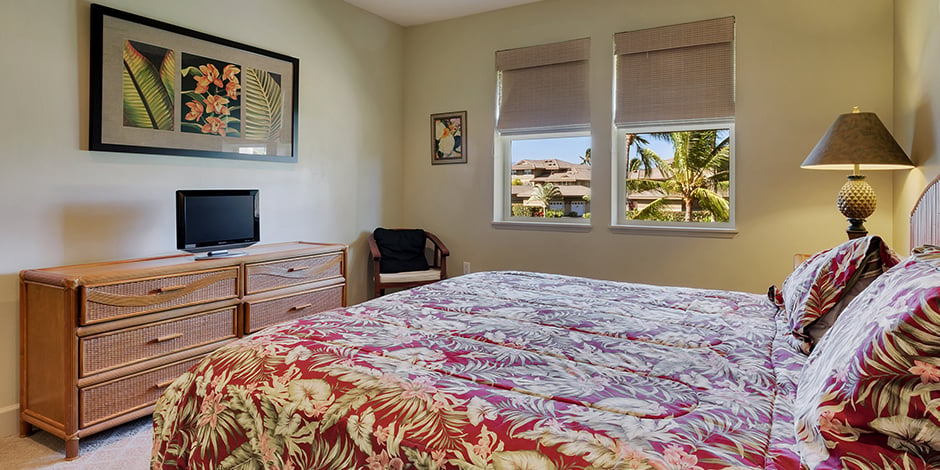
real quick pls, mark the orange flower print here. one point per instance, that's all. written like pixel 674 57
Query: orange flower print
pixel 828 422
pixel 439 456
pixel 213 125
pixel 384 462
pixel 382 434
pixel 231 89
pixel 680 459
pixel 210 76
pixel 211 408
pixel 633 457
pixel 216 104
pixel 211 73
pixel 230 72
pixel 928 372
pixel 202 83
pixel 195 110
pixel 215 95
pixel 421 388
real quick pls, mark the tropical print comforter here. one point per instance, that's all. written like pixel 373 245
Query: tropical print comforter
pixel 498 370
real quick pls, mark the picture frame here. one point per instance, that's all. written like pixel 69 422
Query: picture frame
pixel 157 88
pixel 449 138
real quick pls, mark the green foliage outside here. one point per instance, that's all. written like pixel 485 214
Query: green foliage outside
pixel 545 194
pixel 586 158
pixel 698 173
pixel 675 216
pixel 518 210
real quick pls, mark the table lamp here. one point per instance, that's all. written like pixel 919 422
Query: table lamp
pixel 857 141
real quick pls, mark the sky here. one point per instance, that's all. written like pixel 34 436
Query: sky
pixel 569 149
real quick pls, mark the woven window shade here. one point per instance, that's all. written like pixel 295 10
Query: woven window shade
pixel 544 87
pixel 683 71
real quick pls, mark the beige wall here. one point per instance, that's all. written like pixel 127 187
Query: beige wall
pixel 916 104
pixel 799 64
pixel 61 204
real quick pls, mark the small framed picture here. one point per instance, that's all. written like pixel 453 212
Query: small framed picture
pixel 449 138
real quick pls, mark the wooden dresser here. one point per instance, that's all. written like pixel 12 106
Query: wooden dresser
pixel 99 342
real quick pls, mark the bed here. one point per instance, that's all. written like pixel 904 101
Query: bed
pixel 520 370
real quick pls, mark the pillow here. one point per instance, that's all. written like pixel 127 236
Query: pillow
pixel 818 290
pixel 871 391
pixel 402 250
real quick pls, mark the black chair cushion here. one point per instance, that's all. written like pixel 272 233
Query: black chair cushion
pixel 402 250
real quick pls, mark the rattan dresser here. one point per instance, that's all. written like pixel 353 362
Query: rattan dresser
pixel 99 342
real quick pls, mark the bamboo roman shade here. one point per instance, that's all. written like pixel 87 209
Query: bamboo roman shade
pixel 676 72
pixel 544 87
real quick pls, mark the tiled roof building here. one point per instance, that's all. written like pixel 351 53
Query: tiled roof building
pixel 572 179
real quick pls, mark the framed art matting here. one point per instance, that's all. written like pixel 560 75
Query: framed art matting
pixel 162 89
pixel 449 138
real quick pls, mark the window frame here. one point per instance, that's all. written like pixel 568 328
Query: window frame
pixel 619 222
pixel 502 184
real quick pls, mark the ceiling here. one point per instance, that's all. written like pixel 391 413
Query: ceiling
pixel 415 12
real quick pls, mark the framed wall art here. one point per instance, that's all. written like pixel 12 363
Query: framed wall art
pixel 162 89
pixel 449 138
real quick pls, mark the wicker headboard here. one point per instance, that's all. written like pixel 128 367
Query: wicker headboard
pixel 925 217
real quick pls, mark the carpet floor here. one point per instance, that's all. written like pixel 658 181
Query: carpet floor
pixel 125 447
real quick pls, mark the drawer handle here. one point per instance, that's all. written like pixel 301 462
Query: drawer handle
pixel 297 268
pixel 301 307
pixel 171 288
pixel 161 339
pixel 164 384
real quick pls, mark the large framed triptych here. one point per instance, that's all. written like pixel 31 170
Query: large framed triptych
pixel 162 89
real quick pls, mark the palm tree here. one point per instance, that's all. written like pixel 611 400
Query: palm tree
pixel 634 139
pixel 586 159
pixel 699 172
pixel 544 194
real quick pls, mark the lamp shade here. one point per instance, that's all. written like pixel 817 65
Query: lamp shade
pixel 857 139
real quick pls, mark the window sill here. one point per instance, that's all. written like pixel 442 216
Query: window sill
pixel 675 231
pixel 542 226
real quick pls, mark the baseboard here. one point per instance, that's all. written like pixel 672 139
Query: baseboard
pixel 10 420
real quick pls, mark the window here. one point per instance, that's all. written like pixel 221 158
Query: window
pixel 676 175
pixel 548 171
pixel 542 165
pixel 674 98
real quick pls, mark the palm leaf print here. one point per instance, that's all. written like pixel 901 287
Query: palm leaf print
pixel 147 90
pixel 262 105
pixel 891 387
pixel 168 74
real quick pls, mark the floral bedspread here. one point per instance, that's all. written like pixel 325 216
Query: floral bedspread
pixel 499 370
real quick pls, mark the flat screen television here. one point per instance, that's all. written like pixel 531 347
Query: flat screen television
pixel 214 221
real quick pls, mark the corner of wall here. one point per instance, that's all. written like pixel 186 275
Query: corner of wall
pixel 10 420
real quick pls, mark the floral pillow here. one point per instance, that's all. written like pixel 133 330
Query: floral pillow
pixel 818 290
pixel 870 393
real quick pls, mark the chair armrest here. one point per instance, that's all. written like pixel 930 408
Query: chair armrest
pixel 437 243
pixel 374 248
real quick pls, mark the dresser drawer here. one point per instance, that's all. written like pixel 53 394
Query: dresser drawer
pixel 110 399
pixel 291 272
pixel 264 313
pixel 103 302
pixel 119 348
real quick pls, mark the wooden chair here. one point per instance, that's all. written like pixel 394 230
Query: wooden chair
pixel 399 258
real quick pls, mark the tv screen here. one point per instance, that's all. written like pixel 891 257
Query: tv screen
pixel 216 220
